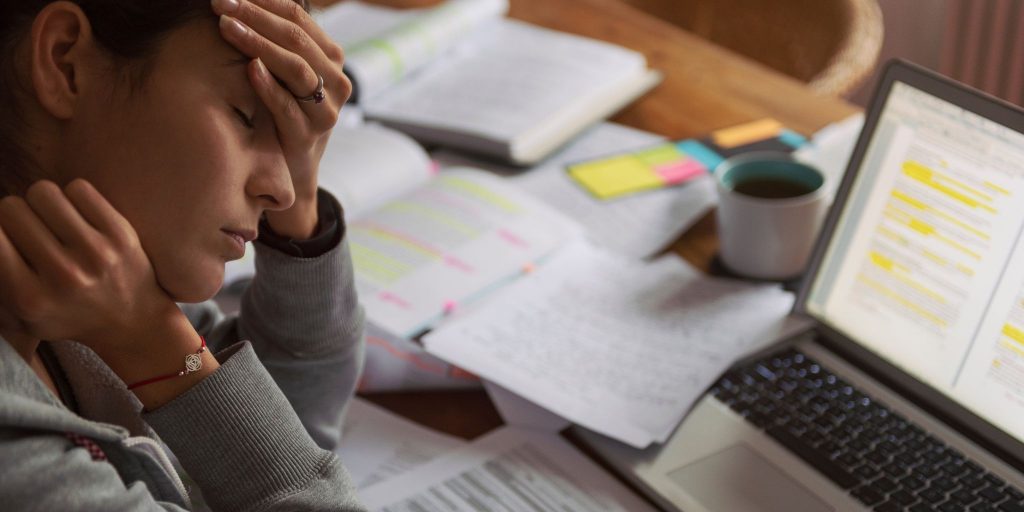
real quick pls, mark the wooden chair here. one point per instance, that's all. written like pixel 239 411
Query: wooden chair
pixel 832 45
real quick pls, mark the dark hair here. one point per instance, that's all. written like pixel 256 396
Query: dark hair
pixel 130 30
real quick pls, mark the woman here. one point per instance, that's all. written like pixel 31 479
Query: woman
pixel 142 144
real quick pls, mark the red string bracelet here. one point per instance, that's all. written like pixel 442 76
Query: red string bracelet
pixel 193 363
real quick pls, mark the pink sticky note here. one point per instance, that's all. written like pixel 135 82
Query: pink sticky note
pixel 680 171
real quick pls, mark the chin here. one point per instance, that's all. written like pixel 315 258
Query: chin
pixel 198 286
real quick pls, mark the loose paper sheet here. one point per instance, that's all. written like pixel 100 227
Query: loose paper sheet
pixel 394 363
pixel 377 445
pixel 621 347
pixel 506 470
pixel 520 412
pixel 636 226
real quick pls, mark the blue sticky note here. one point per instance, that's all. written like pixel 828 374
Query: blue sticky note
pixel 701 153
pixel 792 138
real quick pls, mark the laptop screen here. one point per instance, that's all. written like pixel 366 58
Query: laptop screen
pixel 925 266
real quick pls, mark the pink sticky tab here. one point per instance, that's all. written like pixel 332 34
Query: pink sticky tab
pixel 680 171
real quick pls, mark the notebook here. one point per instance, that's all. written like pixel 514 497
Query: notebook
pixel 462 76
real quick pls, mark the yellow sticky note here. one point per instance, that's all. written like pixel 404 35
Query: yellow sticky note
pixel 659 155
pixel 615 176
pixel 746 133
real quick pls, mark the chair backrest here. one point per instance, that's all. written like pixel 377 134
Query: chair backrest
pixel 832 45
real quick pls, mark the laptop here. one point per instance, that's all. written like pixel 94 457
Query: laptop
pixel 907 393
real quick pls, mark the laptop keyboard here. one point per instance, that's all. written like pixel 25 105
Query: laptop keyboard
pixel 881 458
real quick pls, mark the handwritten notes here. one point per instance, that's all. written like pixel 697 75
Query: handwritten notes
pixel 619 346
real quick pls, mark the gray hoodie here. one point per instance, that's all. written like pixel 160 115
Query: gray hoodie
pixel 255 435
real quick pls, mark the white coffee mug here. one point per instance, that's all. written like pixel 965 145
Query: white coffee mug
pixel 767 229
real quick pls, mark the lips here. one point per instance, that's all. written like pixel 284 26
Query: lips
pixel 239 237
pixel 247 235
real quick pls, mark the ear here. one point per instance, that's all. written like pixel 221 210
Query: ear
pixel 61 47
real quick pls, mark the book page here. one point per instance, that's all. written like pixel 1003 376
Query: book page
pixel 621 347
pixel 368 166
pixel 383 46
pixel 446 245
pixel 508 79
pixel 394 363
pixel 362 167
pixel 508 469
pixel 377 445
pixel 639 225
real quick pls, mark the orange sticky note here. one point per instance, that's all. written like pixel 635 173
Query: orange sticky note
pixel 746 133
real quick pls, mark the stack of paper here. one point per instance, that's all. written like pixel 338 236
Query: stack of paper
pixel 509 469
pixel 618 346
pixel 377 445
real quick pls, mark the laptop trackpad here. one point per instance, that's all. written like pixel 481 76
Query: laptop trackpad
pixel 737 479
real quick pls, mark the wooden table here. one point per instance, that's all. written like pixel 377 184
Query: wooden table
pixel 705 88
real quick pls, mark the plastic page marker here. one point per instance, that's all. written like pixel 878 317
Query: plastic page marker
pixel 678 172
pixel 703 154
pixel 747 133
pixel 792 138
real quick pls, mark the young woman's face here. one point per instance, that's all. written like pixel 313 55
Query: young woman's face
pixel 188 158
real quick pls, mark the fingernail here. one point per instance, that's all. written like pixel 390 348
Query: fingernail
pixel 233 25
pixel 261 68
pixel 225 5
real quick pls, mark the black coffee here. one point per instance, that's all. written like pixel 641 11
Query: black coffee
pixel 772 188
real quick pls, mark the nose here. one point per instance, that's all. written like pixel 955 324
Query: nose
pixel 271 184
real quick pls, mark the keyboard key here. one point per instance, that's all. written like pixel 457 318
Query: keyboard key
pixel 902 497
pixel 950 506
pixel 885 485
pixel 992 495
pixel 867 495
pixel 1014 494
pixel 913 483
pixel 889 506
pixel 964 496
pixel 932 495
pixel 1011 506
pixel 815 458
pixel 921 507
pixel 866 472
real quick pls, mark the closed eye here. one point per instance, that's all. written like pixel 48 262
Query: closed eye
pixel 246 120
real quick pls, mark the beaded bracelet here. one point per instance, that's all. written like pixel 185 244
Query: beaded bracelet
pixel 193 363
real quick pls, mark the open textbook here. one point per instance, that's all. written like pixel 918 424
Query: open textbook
pixel 426 242
pixel 463 76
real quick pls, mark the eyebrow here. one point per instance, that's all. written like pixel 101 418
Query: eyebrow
pixel 238 60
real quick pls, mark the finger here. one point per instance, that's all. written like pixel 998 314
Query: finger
pixel 15 273
pixel 283 32
pixel 293 70
pixel 48 201
pixel 98 212
pixel 32 239
pixel 289 118
pixel 293 12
